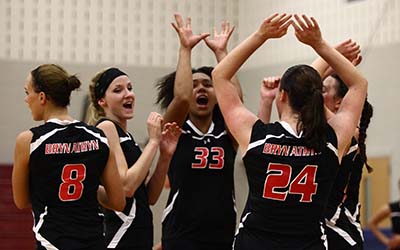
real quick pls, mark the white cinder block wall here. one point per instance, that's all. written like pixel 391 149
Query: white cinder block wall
pixel 87 35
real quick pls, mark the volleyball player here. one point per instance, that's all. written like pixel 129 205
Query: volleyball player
pixel 200 212
pixel 58 167
pixel 112 105
pixel 290 164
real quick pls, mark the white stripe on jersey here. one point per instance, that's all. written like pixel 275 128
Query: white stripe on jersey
pixel 289 129
pixel 323 235
pixel 341 232
pixel 335 217
pixel 262 141
pixel 352 149
pixel 45 243
pixel 210 129
pixel 127 221
pixel 63 122
pixel 97 135
pixel 168 209
pixel 210 135
pixel 42 138
pixel 395 214
pixel 234 201
pixel 239 227
pixel 124 139
pixel 331 147
pixel 202 135
pixel 353 219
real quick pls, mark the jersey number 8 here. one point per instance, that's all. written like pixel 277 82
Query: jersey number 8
pixel 303 184
pixel 72 176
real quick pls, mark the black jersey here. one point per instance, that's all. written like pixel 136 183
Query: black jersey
pixel 337 194
pixel 289 185
pixel 132 228
pixel 342 216
pixel 352 201
pixel 395 216
pixel 201 201
pixel 65 166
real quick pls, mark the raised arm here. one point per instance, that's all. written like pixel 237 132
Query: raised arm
pixel 345 121
pixel 219 45
pixel 183 86
pixel 169 140
pixel 237 117
pixel 348 48
pixel 268 89
pixel 20 172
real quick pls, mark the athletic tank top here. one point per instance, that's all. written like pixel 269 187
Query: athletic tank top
pixel 134 226
pixel 66 162
pixel 339 188
pixel 201 201
pixel 289 184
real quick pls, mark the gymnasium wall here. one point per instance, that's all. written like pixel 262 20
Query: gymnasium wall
pixel 85 36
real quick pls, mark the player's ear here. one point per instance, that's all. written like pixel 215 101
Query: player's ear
pixel 42 98
pixel 282 95
pixel 102 102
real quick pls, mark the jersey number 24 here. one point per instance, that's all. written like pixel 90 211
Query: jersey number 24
pixel 279 176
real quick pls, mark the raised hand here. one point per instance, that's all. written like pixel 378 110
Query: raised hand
pixel 307 30
pixel 184 31
pixel 219 43
pixel 269 87
pixel 169 139
pixel 154 121
pixel 349 49
pixel 275 26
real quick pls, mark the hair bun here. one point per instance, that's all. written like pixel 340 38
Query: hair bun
pixel 73 82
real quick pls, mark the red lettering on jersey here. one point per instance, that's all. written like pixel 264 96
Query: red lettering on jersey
pixel 66 147
pixel 94 145
pixel 48 149
pixel 84 147
pixel 72 176
pixel 218 157
pixel 76 148
pixel 278 177
pixel 267 148
pixel 55 148
pixel 304 183
pixel 201 155
pixel 294 151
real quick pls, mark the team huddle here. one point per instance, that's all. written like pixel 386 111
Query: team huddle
pixel 89 184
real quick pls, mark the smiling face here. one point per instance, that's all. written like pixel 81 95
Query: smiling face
pixel 203 99
pixel 33 98
pixel 119 100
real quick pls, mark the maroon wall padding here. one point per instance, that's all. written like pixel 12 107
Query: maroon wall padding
pixel 15 224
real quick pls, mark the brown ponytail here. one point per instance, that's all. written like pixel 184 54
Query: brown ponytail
pixel 304 87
